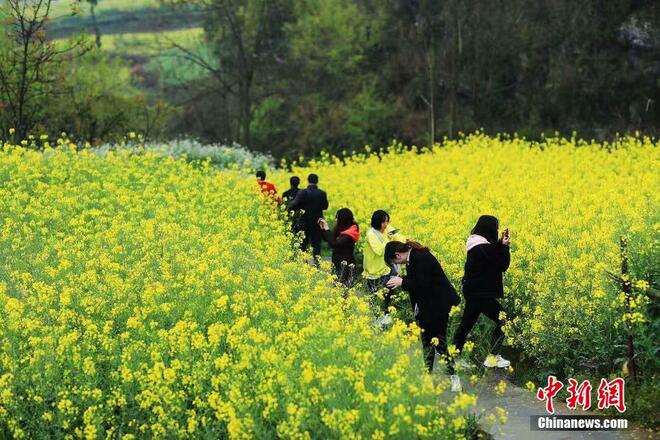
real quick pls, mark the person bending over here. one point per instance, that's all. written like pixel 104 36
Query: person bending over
pixel 431 297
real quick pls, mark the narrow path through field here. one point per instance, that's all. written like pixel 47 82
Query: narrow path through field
pixel 520 405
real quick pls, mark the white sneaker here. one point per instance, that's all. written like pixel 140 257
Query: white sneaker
pixel 463 364
pixel 490 361
pixel 384 320
pixel 501 362
pixel 456 386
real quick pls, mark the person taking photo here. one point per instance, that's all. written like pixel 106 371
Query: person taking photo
pixel 375 270
pixel 487 260
pixel 342 239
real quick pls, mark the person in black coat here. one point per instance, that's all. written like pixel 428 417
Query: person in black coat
pixel 487 259
pixel 431 296
pixel 294 215
pixel 292 192
pixel 342 239
pixel 313 201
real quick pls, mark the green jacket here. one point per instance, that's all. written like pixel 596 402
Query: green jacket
pixel 374 251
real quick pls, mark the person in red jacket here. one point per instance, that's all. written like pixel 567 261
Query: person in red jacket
pixel 266 187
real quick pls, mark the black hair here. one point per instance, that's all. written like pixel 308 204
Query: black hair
pixel 393 247
pixel 487 227
pixel 294 181
pixel 313 179
pixel 377 219
pixel 344 221
pixel 261 174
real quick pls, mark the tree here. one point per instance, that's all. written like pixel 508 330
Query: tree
pixel 28 61
pixel 97 31
pixel 245 38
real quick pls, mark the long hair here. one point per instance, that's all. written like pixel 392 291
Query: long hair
pixel 377 219
pixel 487 226
pixel 344 221
pixel 393 247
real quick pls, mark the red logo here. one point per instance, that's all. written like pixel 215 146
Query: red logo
pixel 610 394
pixel 549 392
pixel 579 395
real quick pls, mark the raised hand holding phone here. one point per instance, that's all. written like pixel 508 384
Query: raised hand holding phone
pixel 506 237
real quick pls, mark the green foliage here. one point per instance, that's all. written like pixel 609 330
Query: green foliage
pixel 351 72
pixel 98 103
pixel 294 77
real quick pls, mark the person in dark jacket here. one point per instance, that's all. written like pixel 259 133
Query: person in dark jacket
pixel 342 239
pixel 487 259
pixel 313 201
pixel 292 192
pixel 431 297
pixel 294 215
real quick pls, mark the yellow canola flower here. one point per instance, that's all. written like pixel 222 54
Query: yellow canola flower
pixel 160 303
pixel 567 203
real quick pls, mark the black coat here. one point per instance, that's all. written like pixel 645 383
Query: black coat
pixel 290 194
pixel 484 267
pixel 294 214
pixel 429 288
pixel 313 201
pixel 343 248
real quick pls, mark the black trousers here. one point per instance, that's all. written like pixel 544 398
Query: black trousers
pixel 345 273
pixel 473 308
pixel 314 236
pixel 379 283
pixel 436 330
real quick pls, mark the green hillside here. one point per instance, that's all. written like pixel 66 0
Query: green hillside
pixel 142 32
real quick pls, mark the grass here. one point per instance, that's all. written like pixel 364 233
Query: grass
pixel 151 43
pixel 64 8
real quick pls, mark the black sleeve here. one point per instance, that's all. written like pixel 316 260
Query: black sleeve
pixel 505 252
pixel 325 201
pixel 499 255
pixel 424 274
pixel 297 201
pixel 335 242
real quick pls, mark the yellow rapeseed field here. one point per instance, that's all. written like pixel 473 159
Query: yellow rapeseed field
pixel 566 203
pixel 141 297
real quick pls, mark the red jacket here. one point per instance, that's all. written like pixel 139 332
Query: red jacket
pixel 267 187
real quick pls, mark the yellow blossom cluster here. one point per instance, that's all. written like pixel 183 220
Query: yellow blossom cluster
pixel 566 202
pixel 141 297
